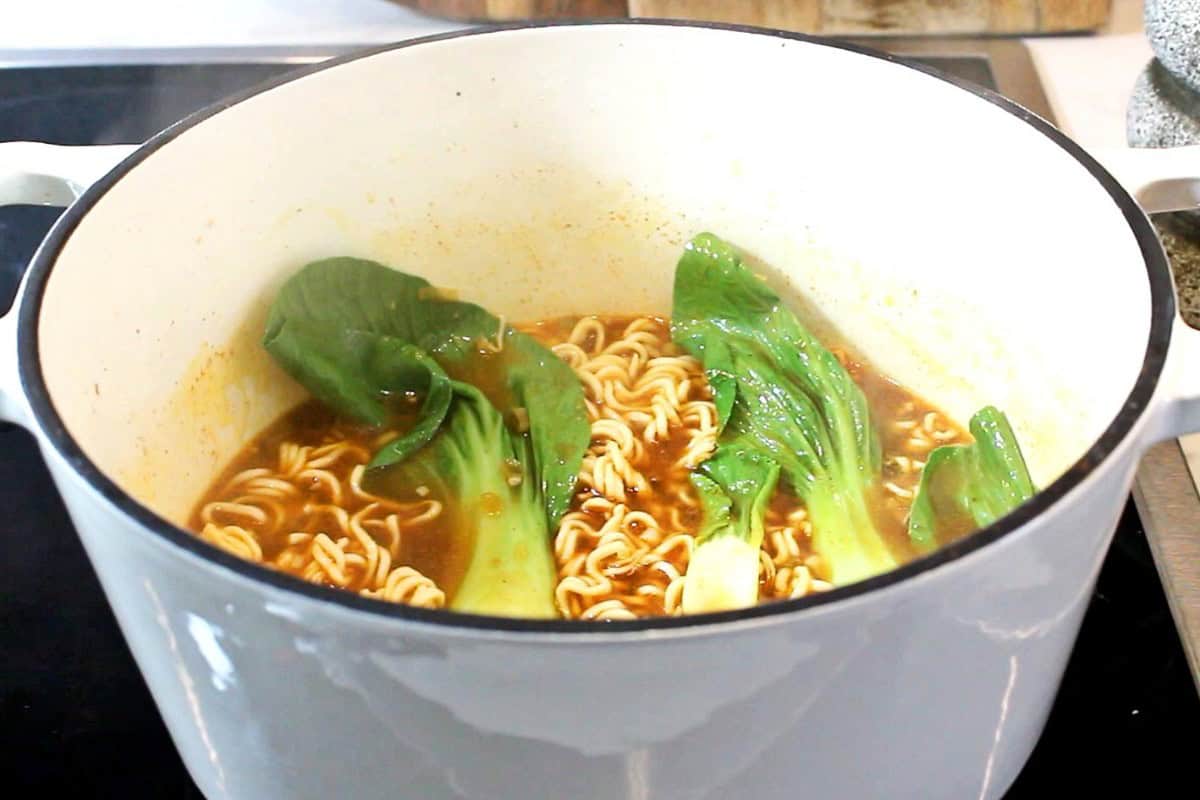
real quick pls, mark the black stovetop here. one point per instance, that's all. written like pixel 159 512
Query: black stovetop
pixel 76 716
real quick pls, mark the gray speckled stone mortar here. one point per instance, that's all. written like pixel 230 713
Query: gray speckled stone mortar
pixel 1163 111
pixel 1173 28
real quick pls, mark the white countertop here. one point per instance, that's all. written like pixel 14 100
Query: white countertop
pixel 1088 79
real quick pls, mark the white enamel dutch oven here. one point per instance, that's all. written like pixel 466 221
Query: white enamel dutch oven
pixel 975 253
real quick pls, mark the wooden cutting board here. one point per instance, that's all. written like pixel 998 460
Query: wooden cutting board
pixel 892 17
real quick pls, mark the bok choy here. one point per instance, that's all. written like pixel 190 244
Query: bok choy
pixel 501 429
pixel 782 399
pixel 789 411
pixel 964 487
pixel 734 487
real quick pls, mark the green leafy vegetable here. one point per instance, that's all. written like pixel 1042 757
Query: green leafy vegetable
pixel 339 298
pixel 782 398
pixel 474 463
pixel 964 487
pixel 735 488
pixel 354 371
pixel 357 333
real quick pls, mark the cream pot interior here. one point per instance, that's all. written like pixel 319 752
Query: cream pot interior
pixel 935 230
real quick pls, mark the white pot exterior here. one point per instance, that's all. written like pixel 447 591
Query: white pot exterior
pixel 935 683
pixel 937 687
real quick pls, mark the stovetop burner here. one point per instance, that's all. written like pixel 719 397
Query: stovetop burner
pixel 76 716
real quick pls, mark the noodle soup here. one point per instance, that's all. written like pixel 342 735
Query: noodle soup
pixel 298 498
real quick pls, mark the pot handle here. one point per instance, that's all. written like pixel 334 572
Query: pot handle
pixel 1162 179
pixel 1181 411
pixel 1167 179
pixel 32 173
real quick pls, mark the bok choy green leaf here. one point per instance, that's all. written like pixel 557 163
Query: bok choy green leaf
pixel 968 486
pixel 354 371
